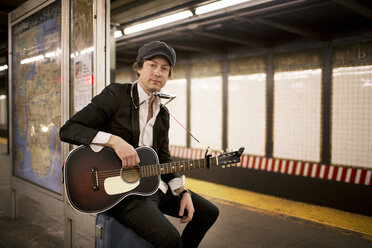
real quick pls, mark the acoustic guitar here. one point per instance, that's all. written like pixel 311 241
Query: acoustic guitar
pixel 95 181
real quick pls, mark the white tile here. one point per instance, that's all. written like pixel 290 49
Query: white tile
pixel 297 115
pixel 352 116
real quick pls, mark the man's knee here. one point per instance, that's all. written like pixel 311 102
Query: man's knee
pixel 169 239
pixel 174 241
pixel 213 214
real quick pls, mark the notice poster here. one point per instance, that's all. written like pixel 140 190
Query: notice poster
pixel 83 80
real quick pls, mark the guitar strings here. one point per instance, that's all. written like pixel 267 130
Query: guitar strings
pixel 133 174
pixel 148 168
pixel 136 171
pixel 117 172
pixel 128 171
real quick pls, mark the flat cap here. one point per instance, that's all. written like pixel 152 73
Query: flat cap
pixel 154 48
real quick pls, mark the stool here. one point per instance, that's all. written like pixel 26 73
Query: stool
pixel 112 234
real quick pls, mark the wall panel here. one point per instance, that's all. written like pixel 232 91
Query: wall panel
pixel 297 106
pixel 247 105
pixel 352 106
pixel 177 85
pixel 206 104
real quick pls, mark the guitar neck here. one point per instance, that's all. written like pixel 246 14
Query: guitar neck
pixel 179 166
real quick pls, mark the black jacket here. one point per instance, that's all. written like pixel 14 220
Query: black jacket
pixel 112 111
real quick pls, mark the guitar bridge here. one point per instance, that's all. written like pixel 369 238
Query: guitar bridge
pixel 95 179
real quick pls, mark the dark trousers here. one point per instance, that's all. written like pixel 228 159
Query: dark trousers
pixel 145 216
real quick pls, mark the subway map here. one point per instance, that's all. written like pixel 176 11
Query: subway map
pixel 36 93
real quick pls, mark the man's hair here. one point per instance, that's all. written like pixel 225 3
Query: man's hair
pixel 139 64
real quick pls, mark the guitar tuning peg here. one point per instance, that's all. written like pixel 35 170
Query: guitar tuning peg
pixel 223 167
pixel 228 165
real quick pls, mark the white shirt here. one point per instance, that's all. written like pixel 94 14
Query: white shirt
pixel 145 138
pixel 146 127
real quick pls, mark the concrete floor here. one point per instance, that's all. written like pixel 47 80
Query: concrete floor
pixel 237 226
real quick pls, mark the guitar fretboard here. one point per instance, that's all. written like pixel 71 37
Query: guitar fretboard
pixel 166 168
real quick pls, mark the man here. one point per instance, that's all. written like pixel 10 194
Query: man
pixel 125 116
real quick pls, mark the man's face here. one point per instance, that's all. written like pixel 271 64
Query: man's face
pixel 154 74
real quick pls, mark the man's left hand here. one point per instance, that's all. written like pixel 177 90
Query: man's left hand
pixel 186 203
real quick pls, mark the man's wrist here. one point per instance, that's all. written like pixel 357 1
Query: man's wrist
pixel 180 189
pixel 180 195
pixel 177 185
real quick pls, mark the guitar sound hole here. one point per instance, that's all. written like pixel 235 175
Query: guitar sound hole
pixel 129 175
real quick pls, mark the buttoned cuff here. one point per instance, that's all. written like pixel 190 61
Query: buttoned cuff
pixel 176 183
pixel 99 139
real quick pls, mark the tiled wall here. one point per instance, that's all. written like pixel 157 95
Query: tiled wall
pixel 177 109
pixel 352 116
pixel 351 105
pixel 297 115
pixel 247 105
pixel 206 104
pixel 206 112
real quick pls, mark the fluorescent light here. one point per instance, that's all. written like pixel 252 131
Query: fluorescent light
pixel 158 22
pixel 3 67
pixel 87 50
pixel 217 5
pixel 53 53
pixel 32 59
pixel 118 34
pixel 84 51
pixel 50 54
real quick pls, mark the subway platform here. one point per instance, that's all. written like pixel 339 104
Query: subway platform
pixel 247 219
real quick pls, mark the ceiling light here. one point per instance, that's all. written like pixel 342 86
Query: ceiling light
pixel 87 50
pixel 158 22
pixel 118 34
pixel 3 67
pixel 32 59
pixel 217 5
pixel 50 54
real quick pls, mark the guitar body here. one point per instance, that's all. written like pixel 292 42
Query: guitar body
pixel 94 181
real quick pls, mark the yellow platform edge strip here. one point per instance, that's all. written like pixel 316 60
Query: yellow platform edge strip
pixel 3 140
pixel 324 215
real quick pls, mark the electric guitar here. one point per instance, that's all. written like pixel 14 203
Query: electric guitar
pixel 95 181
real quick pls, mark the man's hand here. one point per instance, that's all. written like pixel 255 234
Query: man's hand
pixel 186 203
pixel 124 150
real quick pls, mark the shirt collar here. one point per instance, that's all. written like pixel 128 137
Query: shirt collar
pixel 142 95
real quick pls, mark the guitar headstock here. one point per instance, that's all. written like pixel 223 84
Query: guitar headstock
pixel 230 158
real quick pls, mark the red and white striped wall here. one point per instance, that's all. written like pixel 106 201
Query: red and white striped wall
pixel 305 169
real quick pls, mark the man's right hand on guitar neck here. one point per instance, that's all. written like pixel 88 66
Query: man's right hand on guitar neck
pixel 126 152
